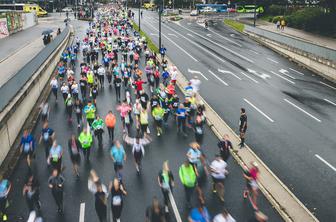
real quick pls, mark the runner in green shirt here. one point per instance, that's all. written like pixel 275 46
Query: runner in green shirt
pixel 85 139
pixel 97 127
pixel 188 178
pixel 158 113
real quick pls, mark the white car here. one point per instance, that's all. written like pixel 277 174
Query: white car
pixel 67 9
pixel 194 13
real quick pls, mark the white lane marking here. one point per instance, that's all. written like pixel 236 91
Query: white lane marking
pixel 153 34
pixel 218 78
pixel 297 71
pixel 325 162
pixel 82 212
pixel 209 35
pixel 262 75
pixel 227 39
pixel 257 53
pixel 327 100
pixel 272 60
pixel 171 34
pixel 327 85
pixel 190 35
pixel 229 72
pixel 285 72
pixel 283 78
pixel 302 110
pixel 261 112
pixel 197 72
pixel 173 204
pixel 183 50
pixel 232 35
pixel 249 77
pixel 189 23
pixel 219 45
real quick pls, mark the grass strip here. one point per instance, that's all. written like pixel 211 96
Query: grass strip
pixel 234 24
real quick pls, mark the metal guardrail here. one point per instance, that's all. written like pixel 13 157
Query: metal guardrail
pixel 311 48
pixel 13 86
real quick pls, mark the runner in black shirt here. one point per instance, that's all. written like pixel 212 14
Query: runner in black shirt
pixel 224 147
pixel 242 127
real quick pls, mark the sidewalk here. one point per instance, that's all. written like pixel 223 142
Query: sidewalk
pixel 302 35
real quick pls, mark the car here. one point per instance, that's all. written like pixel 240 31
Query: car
pixel 231 10
pixel 194 13
pixel 67 9
pixel 207 9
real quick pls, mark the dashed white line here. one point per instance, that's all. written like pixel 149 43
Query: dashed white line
pixel 297 71
pixel 154 34
pixel 257 53
pixel 183 50
pixel 249 77
pixel 173 204
pixel 328 85
pixel 171 34
pixel 229 72
pixel 197 72
pixel 283 78
pixel 325 162
pixel 227 39
pixel 82 212
pixel 218 78
pixel 273 60
pixel 327 100
pixel 302 110
pixel 261 112
pixel 285 72
pixel 190 35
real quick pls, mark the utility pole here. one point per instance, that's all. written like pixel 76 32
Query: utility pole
pixel 255 13
pixel 139 15
pixel 160 12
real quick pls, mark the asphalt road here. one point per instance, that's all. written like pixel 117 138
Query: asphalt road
pixel 291 111
pixel 141 188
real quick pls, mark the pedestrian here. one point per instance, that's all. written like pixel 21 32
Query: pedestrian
pixel 54 87
pixel 98 130
pixel 144 122
pixel 198 126
pixel 138 149
pixel 242 127
pixel 224 147
pixel 100 193
pixel 83 82
pixel 283 24
pixel 188 179
pixel 78 107
pixel 278 24
pixel 5 188
pixel 199 214
pixel 85 139
pixel 55 156
pixel 27 146
pixel 90 112
pixel 163 51
pixel 117 85
pixel 117 191
pixel 166 182
pixel 195 83
pixel 118 156
pixel 124 109
pixel 224 216
pixel 158 114
pixel 218 174
pixel 45 109
pixel 181 115
pixel 56 184
pixel 155 212
pixel 194 156
pixel 47 136
pixel 65 91
pixel 251 176
pixel 69 107
pixel 74 147
pixel 31 192
pixel 110 121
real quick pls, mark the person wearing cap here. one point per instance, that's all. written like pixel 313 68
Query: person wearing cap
pixel 218 174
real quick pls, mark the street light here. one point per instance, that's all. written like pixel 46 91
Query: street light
pixel 160 12
pixel 255 13
pixel 139 15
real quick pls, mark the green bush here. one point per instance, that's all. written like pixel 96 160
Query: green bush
pixel 276 18
pixel 276 10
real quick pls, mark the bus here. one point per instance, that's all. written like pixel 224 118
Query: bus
pixel 149 5
pixel 250 9
pixel 25 8
pixel 214 7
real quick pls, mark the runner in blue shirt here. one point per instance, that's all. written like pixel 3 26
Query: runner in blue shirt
pixel 199 214
pixel 181 114
pixel 118 156
pixel 27 146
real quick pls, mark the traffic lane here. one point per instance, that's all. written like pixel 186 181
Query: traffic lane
pixel 267 142
pixel 18 40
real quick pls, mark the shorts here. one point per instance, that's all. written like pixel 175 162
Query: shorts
pixel 144 127
pixel 243 130
pixel 117 166
pixel 158 123
pixel 218 180
pixel 137 156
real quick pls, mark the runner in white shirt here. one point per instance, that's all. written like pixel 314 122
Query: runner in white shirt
pixel 195 83
pixel 218 174
pixel 224 216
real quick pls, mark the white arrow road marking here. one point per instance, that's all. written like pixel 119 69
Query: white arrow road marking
pixel 297 71
pixel 249 77
pixel 197 72
pixel 285 72
pixel 171 34
pixel 284 78
pixel 229 72
pixel 261 112
pixel 262 75
pixel 232 35
pixel 218 78
pixel 82 212
pixel 190 35
pixel 302 110
pixel 325 162
pixel 189 23
pixel 272 60
pixel 209 35
pixel 327 100
pixel 327 85
pixel 154 34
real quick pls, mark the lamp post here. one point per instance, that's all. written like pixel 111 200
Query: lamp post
pixel 160 12
pixel 255 13
pixel 139 15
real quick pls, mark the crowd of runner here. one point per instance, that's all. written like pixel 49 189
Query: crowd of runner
pixel 111 52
